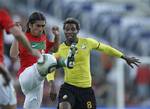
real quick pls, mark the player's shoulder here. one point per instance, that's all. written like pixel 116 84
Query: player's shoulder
pixel 3 11
pixel 86 39
pixel 62 46
pixel 83 39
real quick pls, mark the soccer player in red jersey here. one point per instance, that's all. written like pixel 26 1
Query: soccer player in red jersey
pixel 28 72
pixel 7 92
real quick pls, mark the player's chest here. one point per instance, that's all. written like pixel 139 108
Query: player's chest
pixel 38 45
pixel 82 52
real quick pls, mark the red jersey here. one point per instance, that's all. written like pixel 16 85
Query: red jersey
pixel 5 23
pixel 26 59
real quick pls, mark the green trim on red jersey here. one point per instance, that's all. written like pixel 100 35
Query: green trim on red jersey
pixel 38 45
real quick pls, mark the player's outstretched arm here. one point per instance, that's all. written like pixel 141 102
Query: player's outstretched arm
pixel 14 50
pixel 19 35
pixel 131 61
pixel 114 52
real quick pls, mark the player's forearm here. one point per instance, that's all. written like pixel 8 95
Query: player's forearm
pixel 5 74
pixel 56 43
pixel 14 49
pixel 19 35
pixel 110 51
pixel 25 42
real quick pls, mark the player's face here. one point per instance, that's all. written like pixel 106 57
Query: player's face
pixel 70 31
pixel 37 28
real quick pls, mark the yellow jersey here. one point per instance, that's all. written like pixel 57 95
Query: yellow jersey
pixel 50 76
pixel 80 75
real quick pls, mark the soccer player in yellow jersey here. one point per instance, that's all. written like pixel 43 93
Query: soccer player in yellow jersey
pixel 77 92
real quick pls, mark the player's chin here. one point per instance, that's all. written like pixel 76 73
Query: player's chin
pixel 38 33
pixel 70 39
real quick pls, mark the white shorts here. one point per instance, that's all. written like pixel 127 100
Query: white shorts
pixel 7 94
pixel 32 86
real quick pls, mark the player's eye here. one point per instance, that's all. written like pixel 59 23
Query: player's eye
pixel 38 25
pixel 67 29
pixel 72 29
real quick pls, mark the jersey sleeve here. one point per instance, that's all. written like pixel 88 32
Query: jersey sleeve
pixel 50 76
pixel 109 50
pixel 60 52
pixel 92 43
pixel 6 20
pixel 49 45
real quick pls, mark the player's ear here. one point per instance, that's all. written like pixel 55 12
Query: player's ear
pixel 78 28
pixel 30 25
pixel 76 32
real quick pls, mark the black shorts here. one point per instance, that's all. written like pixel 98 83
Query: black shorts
pixel 79 98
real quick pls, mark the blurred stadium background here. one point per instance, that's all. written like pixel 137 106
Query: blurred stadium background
pixel 124 24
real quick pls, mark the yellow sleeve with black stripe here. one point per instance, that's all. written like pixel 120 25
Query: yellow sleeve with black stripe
pixel 50 76
pixel 109 50
pixel 105 48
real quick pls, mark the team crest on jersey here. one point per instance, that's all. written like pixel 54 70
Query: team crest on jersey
pixel 83 46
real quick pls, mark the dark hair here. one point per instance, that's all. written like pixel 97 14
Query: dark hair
pixel 33 18
pixel 73 21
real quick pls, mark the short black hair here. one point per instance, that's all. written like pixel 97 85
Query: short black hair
pixel 73 21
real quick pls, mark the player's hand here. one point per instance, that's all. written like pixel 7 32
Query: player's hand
pixel 55 31
pixel 71 56
pixel 18 24
pixel 131 61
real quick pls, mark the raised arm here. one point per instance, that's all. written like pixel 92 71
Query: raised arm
pixel 52 46
pixel 55 31
pixel 20 36
pixel 14 49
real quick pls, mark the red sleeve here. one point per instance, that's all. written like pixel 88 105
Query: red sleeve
pixel 5 20
pixel 49 45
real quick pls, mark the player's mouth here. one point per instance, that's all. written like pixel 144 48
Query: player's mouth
pixel 69 36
